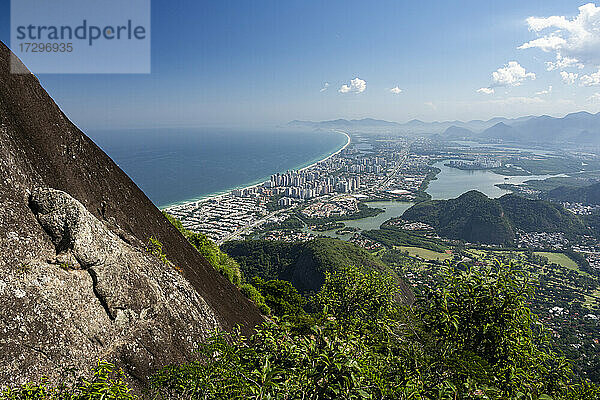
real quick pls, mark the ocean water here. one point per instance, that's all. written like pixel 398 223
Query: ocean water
pixel 176 165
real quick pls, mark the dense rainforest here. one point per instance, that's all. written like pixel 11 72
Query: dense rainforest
pixel 475 218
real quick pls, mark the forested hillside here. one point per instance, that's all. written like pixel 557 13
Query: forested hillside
pixel 475 218
pixel 587 194
pixel 304 264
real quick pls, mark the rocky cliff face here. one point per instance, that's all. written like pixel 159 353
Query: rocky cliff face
pixel 77 282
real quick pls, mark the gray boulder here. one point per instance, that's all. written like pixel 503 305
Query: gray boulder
pixel 97 298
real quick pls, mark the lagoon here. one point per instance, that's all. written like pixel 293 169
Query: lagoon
pixel 452 182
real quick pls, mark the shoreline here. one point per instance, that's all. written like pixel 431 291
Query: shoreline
pixel 226 192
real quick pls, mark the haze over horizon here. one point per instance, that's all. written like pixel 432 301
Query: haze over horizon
pixel 264 65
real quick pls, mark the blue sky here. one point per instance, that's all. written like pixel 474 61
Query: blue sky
pixel 263 63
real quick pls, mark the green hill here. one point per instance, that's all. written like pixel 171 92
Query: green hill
pixel 540 216
pixel 303 263
pixel 587 195
pixel 476 218
pixel 472 217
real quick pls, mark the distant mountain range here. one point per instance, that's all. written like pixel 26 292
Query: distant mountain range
pixel 344 124
pixel 580 127
pixel 414 126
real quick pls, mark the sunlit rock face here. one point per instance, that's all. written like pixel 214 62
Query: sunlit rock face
pixel 77 283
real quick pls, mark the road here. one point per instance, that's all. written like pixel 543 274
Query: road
pixel 383 184
pixel 247 228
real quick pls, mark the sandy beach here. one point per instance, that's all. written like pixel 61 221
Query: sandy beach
pixel 225 193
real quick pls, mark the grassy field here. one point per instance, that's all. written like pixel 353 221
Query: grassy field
pixel 559 258
pixel 425 254
pixel 591 298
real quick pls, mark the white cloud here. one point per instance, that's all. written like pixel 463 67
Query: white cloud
pixel 595 98
pixel 562 63
pixel 517 100
pixel 396 90
pixel 430 104
pixel 547 91
pixel 575 38
pixel 592 79
pixel 485 90
pixel 325 86
pixel 357 85
pixel 568 77
pixel 512 74
pixel 546 43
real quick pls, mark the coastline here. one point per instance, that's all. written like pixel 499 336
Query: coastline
pixel 260 183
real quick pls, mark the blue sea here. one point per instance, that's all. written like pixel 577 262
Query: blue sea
pixel 177 165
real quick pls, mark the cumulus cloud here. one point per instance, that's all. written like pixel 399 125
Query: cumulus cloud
pixel 396 90
pixel 592 79
pixel 575 39
pixel 595 98
pixel 562 63
pixel 325 86
pixel 546 43
pixel 430 104
pixel 357 85
pixel 568 77
pixel 512 74
pixel 547 91
pixel 485 90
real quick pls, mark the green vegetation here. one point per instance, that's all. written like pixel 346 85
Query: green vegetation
pixel 391 236
pixel 281 297
pixel 471 336
pixel 559 258
pixel 593 221
pixel 291 223
pixel 220 261
pixel 106 383
pixel 540 216
pixel 566 299
pixel 65 266
pixel 570 184
pixel 540 165
pixel 364 211
pixel 587 194
pixel 475 218
pixel 303 264
pixel 421 194
pixel 256 296
pixel 425 253
pixel 472 217
pixel 155 247
pixel 273 203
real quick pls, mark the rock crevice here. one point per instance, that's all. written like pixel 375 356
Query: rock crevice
pixel 76 281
